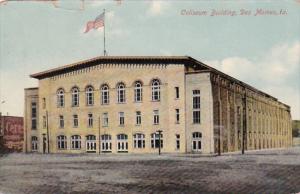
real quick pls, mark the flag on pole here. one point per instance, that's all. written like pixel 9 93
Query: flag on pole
pixel 97 23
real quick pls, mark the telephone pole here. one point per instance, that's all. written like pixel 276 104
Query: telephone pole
pixel 244 130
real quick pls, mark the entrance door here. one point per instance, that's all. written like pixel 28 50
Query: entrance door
pixel 196 142
pixel 91 143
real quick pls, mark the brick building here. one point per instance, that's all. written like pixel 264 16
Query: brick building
pixel 118 104
pixel 12 133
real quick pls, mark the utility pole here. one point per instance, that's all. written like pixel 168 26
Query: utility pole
pixel 99 137
pixel 48 141
pixel 220 116
pixel 1 133
pixel 244 121
pixel 159 134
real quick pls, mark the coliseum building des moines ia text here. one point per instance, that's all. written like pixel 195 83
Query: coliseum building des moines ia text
pixel 118 104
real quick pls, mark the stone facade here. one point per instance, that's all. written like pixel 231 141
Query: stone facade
pixel 192 105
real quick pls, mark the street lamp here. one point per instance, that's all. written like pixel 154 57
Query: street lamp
pixel 159 134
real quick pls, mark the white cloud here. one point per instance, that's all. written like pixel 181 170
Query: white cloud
pixel 157 7
pixel 277 73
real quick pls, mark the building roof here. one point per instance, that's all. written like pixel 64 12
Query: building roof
pixel 184 60
pixel 112 59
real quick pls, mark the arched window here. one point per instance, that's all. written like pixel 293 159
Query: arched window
pixel 121 92
pixel 75 96
pixel 75 142
pixel 155 140
pixel 138 91
pixel 61 142
pixel 122 141
pixel 34 143
pixel 89 93
pixel 105 94
pixel 91 143
pixel 106 143
pixel 139 140
pixel 155 86
pixel 196 141
pixel 60 98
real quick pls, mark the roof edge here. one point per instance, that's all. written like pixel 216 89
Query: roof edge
pixel 47 73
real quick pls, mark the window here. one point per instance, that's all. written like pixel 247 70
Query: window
pixel 75 142
pixel 44 122
pixel 105 94
pixel 89 92
pixel 61 142
pixel 75 96
pixel 60 98
pixel 91 143
pixel 138 118
pixel 90 120
pixel 155 140
pixel 176 92
pixel 196 107
pixel 138 92
pixel 196 117
pixel 44 103
pixel 155 86
pixel 139 140
pixel 105 119
pixel 196 141
pixel 121 92
pixel 177 115
pixel 61 121
pixel 177 141
pixel 122 142
pixel 196 99
pixel 34 143
pixel 75 120
pixel 121 118
pixel 33 115
pixel 106 143
pixel 155 117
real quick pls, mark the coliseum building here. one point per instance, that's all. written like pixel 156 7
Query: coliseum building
pixel 118 104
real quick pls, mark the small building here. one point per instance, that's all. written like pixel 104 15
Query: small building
pixel 119 104
pixel 296 132
pixel 12 133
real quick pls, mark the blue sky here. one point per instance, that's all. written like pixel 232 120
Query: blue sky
pixel 260 50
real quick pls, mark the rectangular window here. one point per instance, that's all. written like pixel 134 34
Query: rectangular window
pixel 44 103
pixel 61 121
pixel 155 117
pixel 138 118
pixel 155 143
pixel 33 115
pixel 196 107
pixel 90 120
pixel 105 119
pixel 121 118
pixel 44 122
pixel 196 99
pixel 139 140
pixel 196 116
pixel 177 141
pixel 176 92
pixel 177 115
pixel 75 120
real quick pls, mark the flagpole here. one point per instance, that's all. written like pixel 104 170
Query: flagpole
pixel 104 52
